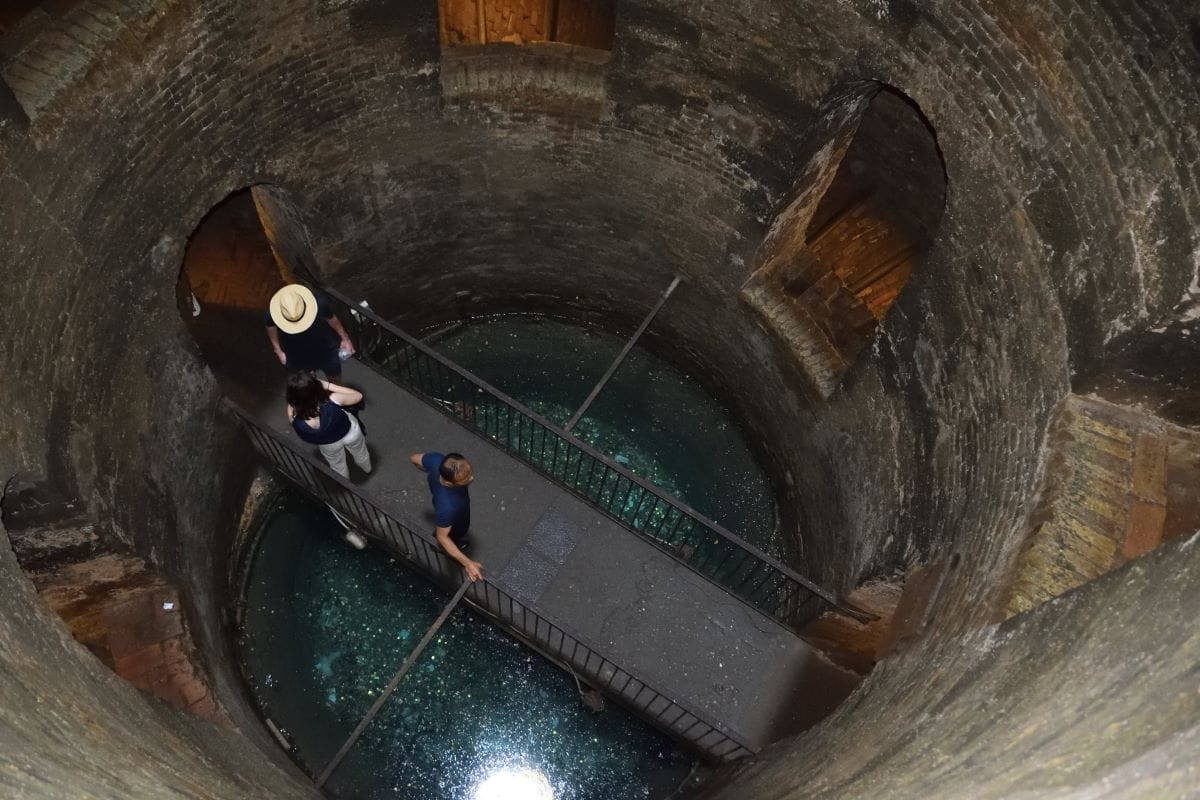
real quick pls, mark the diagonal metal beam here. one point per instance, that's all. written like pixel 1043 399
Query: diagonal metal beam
pixel 621 356
pixel 395 681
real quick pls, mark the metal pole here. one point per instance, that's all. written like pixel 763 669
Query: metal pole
pixel 391 687
pixel 621 356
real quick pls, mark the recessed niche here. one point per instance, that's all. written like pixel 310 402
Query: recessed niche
pixel 856 228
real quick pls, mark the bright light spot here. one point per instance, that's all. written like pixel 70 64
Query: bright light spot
pixel 514 783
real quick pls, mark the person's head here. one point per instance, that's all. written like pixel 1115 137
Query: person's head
pixel 455 470
pixel 305 394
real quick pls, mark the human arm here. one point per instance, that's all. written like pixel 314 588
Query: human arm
pixel 426 462
pixel 273 335
pixel 344 344
pixel 342 395
pixel 473 569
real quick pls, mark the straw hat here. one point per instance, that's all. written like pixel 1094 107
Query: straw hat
pixel 293 308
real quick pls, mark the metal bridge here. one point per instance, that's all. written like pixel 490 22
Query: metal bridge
pixel 662 610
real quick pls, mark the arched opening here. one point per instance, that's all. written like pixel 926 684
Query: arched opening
pixel 18 20
pixel 856 229
pixel 229 262
pixel 247 247
pixel 1126 440
pixel 123 608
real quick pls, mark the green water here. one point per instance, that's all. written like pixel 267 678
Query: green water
pixel 650 417
pixel 325 628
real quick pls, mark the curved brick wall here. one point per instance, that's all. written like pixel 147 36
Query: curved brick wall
pixel 1070 221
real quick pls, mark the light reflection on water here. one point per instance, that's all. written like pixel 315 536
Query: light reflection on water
pixel 326 627
pixel 650 417
pixel 513 782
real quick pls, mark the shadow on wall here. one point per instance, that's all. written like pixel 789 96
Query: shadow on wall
pixel 244 249
pixel 864 212
pixel 12 12
pixel 247 247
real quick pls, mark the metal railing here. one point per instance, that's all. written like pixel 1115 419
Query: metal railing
pixel 420 551
pixel 703 545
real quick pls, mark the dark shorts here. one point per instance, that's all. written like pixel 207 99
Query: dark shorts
pixel 330 365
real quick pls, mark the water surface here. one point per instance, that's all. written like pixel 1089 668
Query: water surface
pixel 650 417
pixel 326 627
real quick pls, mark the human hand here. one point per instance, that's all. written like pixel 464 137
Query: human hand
pixel 347 347
pixel 474 570
pixel 282 356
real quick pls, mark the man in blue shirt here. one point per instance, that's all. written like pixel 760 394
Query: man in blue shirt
pixel 449 475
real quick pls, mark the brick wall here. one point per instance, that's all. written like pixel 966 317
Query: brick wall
pixel 1071 221
pixel 1104 498
pixel 697 147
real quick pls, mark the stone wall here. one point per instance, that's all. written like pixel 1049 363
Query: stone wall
pixel 1071 219
pixel 71 728
pixel 1090 695
pixel 1118 482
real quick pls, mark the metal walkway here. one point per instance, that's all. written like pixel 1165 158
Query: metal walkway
pixel 584 572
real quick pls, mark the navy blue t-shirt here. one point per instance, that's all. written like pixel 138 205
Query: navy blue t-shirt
pixel 451 504
pixel 334 425
pixel 310 349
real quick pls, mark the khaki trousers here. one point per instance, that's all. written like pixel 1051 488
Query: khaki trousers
pixel 355 442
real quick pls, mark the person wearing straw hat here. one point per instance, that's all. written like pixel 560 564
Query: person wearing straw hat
pixel 304 332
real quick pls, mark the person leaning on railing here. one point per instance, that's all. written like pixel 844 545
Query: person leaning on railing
pixel 315 409
pixel 448 476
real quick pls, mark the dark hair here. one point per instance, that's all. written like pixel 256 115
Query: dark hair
pixel 305 394
pixel 455 468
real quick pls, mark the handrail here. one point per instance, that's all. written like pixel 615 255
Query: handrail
pixel 420 550
pixel 746 572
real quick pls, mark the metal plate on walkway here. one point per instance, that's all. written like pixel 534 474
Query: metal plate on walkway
pixel 552 539
pixel 554 535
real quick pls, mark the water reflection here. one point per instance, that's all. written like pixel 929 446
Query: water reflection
pixel 513 782
pixel 655 420
pixel 326 627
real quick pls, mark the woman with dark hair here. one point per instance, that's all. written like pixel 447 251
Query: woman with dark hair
pixel 315 409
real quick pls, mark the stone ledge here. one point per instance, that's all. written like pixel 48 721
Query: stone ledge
pixel 820 362
pixel 543 76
